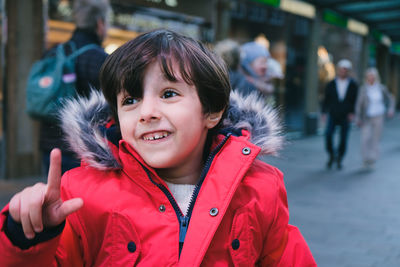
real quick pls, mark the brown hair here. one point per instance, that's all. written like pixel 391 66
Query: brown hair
pixel 124 68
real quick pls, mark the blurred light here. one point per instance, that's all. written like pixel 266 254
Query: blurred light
pixel 262 40
pixel 171 3
pixel 323 54
pixel 111 48
pixel 357 27
pixel 298 7
pixel 386 40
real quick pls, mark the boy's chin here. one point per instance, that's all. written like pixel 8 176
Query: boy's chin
pixel 157 164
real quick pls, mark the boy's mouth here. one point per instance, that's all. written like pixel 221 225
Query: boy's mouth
pixel 155 136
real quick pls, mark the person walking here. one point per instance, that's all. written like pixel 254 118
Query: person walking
pixel 339 104
pixel 91 26
pixel 373 102
pixel 254 65
pixel 229 51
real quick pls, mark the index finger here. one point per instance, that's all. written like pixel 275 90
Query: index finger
pixel 54 176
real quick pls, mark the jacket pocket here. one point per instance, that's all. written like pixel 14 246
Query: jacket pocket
pixel 122 243
pixel 245 239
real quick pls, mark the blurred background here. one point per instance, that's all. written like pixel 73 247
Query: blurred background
pixel 306 39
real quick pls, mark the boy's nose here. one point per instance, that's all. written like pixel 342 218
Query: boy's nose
pixel 149 110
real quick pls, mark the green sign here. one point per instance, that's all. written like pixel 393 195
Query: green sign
pixel 372 50
pixel 377 35
pixel 395 48
pixel 334 18
pixel 275 3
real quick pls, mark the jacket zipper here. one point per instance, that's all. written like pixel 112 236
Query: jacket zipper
pixel 184 220
pixel 204 173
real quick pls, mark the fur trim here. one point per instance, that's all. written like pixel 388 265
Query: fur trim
pixel 82 119
pixel 250 113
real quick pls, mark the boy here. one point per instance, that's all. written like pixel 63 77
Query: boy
pixel 171 183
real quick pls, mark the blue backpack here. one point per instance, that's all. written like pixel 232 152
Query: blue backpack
pixel 51 81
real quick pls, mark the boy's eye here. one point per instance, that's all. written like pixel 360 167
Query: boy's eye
pixel 169 93
pixel 129 100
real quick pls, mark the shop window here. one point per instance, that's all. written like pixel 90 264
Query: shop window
pixel 126 22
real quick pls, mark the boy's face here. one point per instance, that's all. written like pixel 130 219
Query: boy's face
pixel 166 125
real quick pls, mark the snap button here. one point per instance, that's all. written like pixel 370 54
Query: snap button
pixel 213 212
pixel 246 151
pixel 162 208
pixel 131 247
pixel 235 244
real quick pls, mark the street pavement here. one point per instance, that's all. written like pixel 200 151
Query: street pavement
pixel 349 217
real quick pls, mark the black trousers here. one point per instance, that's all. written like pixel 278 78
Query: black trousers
pixel 332 125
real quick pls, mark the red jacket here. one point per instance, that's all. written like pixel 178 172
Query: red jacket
pixel 239 217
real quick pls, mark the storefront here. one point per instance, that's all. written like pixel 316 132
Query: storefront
pixel 287 35
pixel 130 18
pixel 338 43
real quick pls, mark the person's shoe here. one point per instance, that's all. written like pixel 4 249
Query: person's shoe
pixel 330 162
pixel 368 165
pixel 339 163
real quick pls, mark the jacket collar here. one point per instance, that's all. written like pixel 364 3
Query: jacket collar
pixel 85 36
pixel 83 121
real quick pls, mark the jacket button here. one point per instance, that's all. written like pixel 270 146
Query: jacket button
pixel 131 247
pixel 213 212
pixel 246 151
pixel 235 244
pixel 161 208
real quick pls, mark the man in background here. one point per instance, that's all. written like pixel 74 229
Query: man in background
pixel 339 104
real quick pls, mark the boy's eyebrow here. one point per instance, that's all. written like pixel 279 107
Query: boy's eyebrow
pixel 178 79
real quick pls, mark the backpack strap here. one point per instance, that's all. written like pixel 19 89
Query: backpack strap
pixel 64 48
pixel 82 50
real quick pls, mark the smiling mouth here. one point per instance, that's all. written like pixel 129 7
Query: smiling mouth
pixel 155 136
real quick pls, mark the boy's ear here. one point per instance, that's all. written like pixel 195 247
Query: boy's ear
pixel 213 119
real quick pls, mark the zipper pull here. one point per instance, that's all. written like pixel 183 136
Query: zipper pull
pixel 183 226
pixel 184 223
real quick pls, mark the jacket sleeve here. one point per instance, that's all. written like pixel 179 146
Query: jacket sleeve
pixel 390 101
pixel 354 94
pixel 326 102
pixel 284 245
pixel 360 104
pixel 62 250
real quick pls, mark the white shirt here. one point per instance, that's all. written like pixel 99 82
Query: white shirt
pixel 182 194
pixel 376 105
pixel 341 87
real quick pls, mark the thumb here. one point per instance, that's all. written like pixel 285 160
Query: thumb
pixel 70 206
pixel 59 212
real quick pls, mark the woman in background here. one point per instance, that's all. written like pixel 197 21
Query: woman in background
pixel 373 102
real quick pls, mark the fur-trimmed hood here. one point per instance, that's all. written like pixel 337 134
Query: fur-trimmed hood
pixel 83 123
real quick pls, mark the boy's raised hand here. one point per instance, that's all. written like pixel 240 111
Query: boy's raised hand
pixel 40 206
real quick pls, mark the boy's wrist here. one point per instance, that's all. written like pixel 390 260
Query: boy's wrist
pixel 16 235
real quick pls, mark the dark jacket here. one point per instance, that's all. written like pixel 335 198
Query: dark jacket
pixel 240 83
pixel 87 67
pixel 339 110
